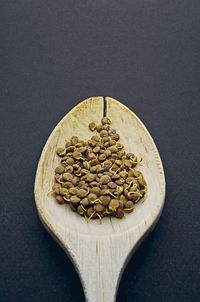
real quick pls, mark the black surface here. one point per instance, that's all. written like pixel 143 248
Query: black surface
pixel 56 53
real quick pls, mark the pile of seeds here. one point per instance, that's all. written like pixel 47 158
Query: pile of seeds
pixel 97 177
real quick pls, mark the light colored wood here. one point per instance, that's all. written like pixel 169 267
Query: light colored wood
pixel 100 252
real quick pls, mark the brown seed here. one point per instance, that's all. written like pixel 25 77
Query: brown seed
pixel 80 210
pixel 70 161
pixel 82 193
pixel 98 208
pixel 92 197
pixel 103 133
pixel 99 168
pixel 75 180
pixel 95 138
pixel 94 184
pixel 96 190
pixel 77 155
pixel 115 176
pixel 127 163
pixel 96 149
pixel 90 177
pixel 73 191
pixel 118 162
pixel 69 169
pixel 107 152
pixel 63 191
pixel 85 202
pixel 105 179
pixel 129 204
pixel 105 120
pixel 106 127
pixel 94 162
pixel 112 142
pixel 67 177
pixel 81 149
pixel 56 188
pixel 90 211
pixel 99 128
pixel 92 126
pixel 113 149
pixel 105 139
pixel 59 169
pixel 69 149
pixel 112 185
pixel 59 199
pixel 86 165
pixel 74 199
pixel 91 156
pixel 74 140
pixel 61 151
pixel 115 137
pixel 119 213
pixel 102 157
pixel 93 169
pixel 142 182
pixel 105 199
pixel 113 205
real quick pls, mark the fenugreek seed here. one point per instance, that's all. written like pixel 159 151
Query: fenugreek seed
pixel 105 179
pixel 82 193
pixel 72 207
pixel 96 149
pixel 142 182
pixel 118 162
pixel 91 197
pixel 105 120
pixel 74 140
pixel 90 177
pixel 113 149
pixel 127 163
pixel 105 199
pixel 111 132
pixel 63 191
pixel 61 151
pixel 67 144
pixel 112 185
pixel 119 213
pixel 90 211
pixel 59 199
pixel 75 180
pixel 81 149
pixel 103 133
pixel 73 191
pixel 56 188
pixel 69 169
pixel 80 210
pixel 74 199
pixel 115 137
pixel 113 205
pixel 99 128
pixel 59 169
pixel 107 153
pixel 120 181
pixel 102 157
pixel 94 162
pixel 77 155
pixel 129 204
pixel 85 202
pixel 123 174
pixel 92 126
pixel 92 143
pixel 67 176
pixel 86 165
pixel 96 190
pixel 95 138
pixel 115 176
pixel 98 208
pixel 93 169
pixel 70 161
pixel 91 156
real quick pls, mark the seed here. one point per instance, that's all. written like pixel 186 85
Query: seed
pixel 113 205
pixel 69 169
pixel 59 199
pixel 72 207
pixel 90 177
pixel 81 149
pixel 95 138
pixel 85 202
pixel 92 126
pixel 105 120
pixel 70 161
pixel 105 179
pixel 102 157
pixel 103 133
pixel 91 156
pixel 86 165
pixel 111 131
pixel 67 144
pixel 90 211
pixel 107 153
pixel 127 163
pixel 82 193
pixel 105 199
pixel 113 149
pixel 93 169
pixel 74 199
pixel 61 151
pixel 74 140
pixel 142 182
pixel 115 176
pixel 56 188
pixel 119 181
pixel 96 149
pixel 67 176
pixel 118 162
pixel 94 184
pixel 92 197
pixel 91 143
pixel 119 213
pixel 59 169
pixel 75 180
pixel 98 208
pixel 94 162
pixel 77 155
pixel 112 185
pixel 80 210
pixel 129 205
pixel 99 128
pixel 63 191
pixel 96 190
pixel 115 137
pixel 123 174
pixel 73 191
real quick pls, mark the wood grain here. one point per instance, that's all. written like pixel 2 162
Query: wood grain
pixel 100 252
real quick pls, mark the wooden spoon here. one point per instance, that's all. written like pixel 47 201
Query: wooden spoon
pixel 100 252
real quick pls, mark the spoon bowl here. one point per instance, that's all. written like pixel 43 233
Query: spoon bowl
pixel 100 252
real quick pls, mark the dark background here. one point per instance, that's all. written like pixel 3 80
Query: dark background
pixel 53 55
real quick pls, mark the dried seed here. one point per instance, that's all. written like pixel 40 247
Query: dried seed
pixel 61 151
pixel 82 193
pixel 92 126
pixel 59 169
pixel 105 179
pixel 113 205
pixel 106 120
pixel 98 208
pixel 112 185
pixel 74 140
pixel 59 199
